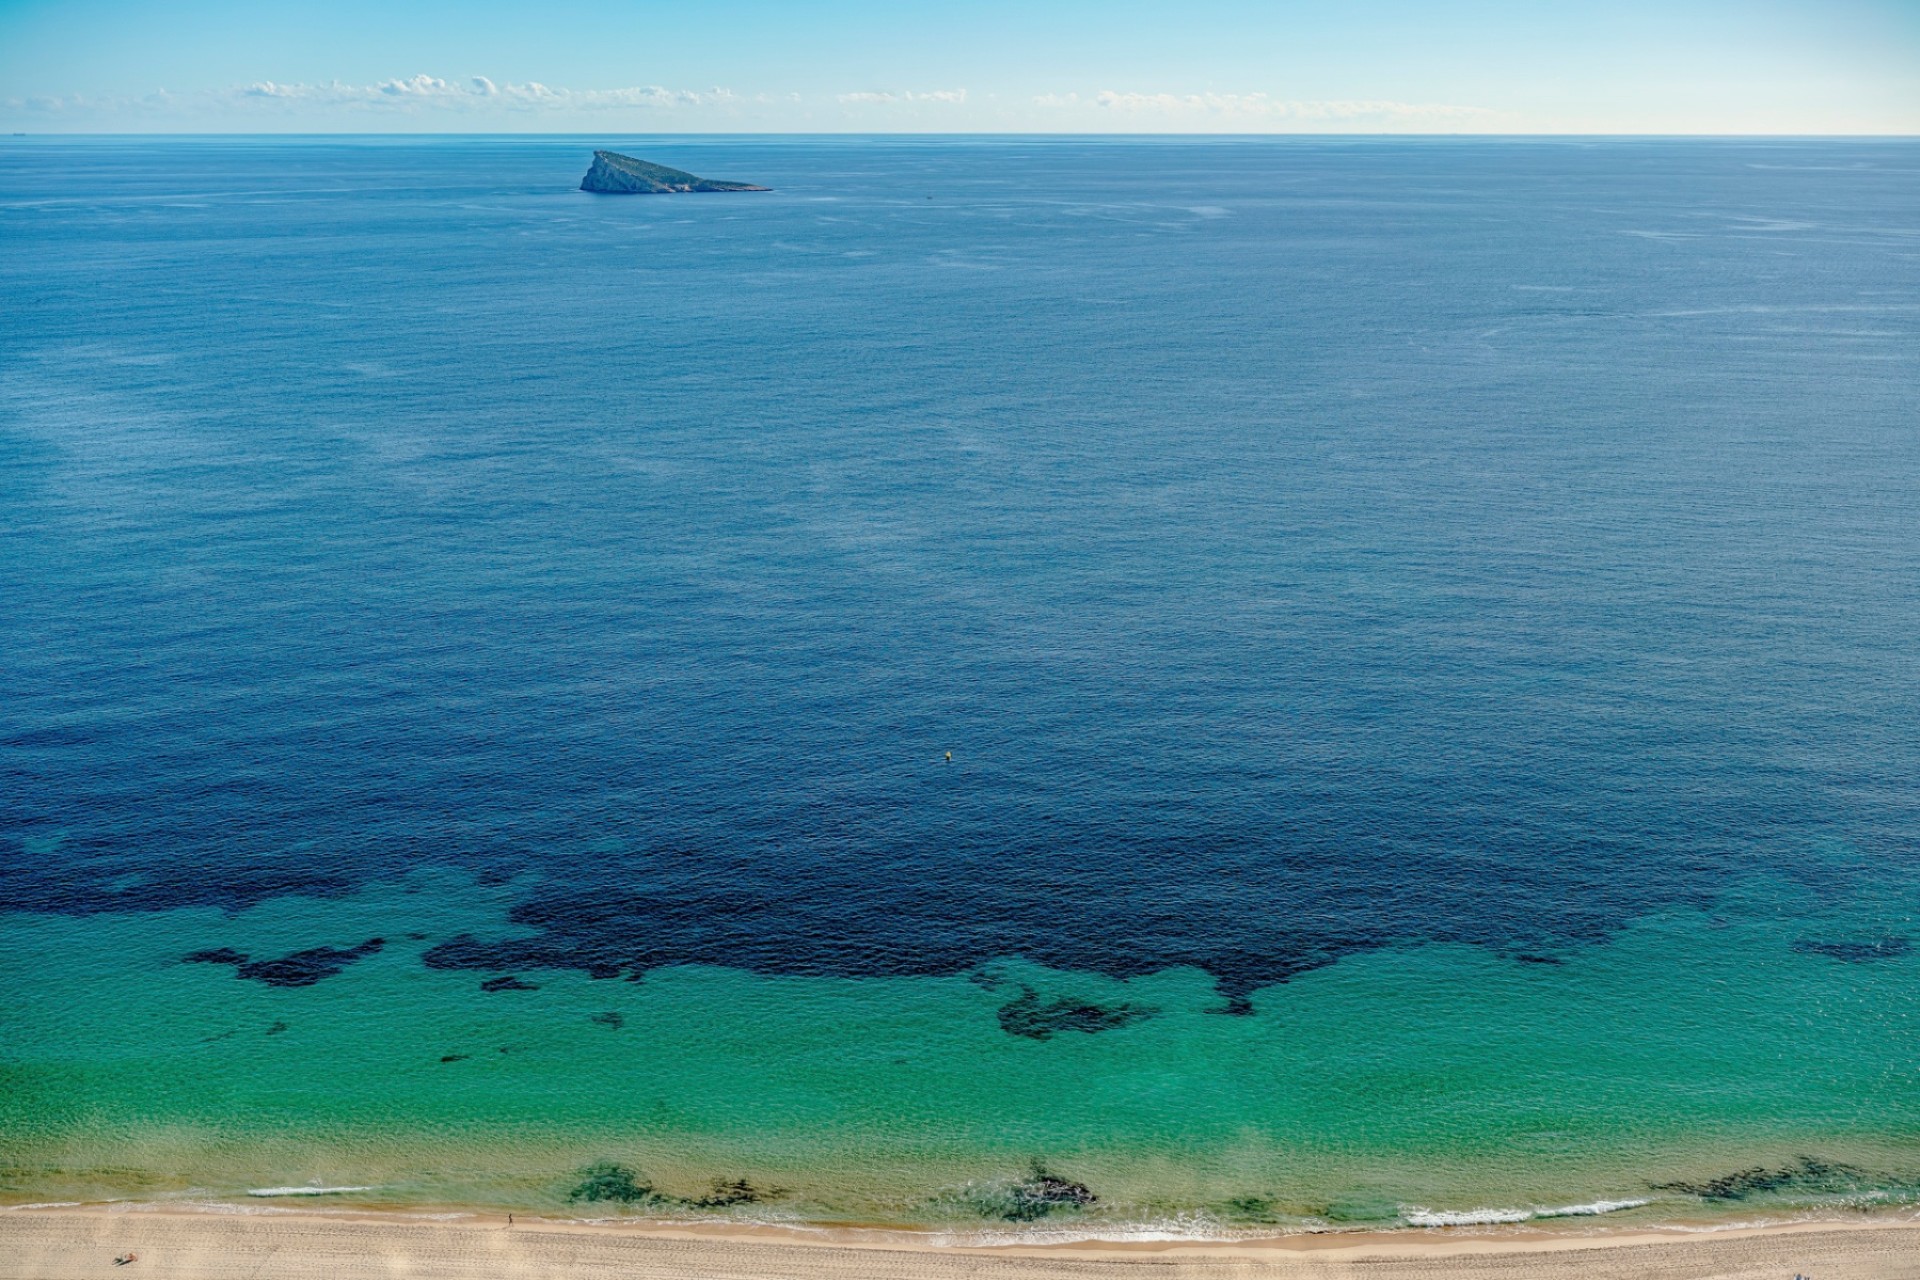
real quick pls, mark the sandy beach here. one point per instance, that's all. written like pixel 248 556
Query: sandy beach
pixel 68 1244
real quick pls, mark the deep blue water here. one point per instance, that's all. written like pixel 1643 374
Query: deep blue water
pixel 1300 545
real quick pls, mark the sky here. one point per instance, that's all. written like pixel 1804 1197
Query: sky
pixel 962 66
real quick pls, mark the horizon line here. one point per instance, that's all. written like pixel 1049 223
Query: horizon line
pixel 1426 135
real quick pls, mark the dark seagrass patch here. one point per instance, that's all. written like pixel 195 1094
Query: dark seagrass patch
pixel 1856 952
pixel 300 969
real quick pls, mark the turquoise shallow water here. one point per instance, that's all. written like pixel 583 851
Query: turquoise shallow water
pixel 1424 634
pixel 1426 1079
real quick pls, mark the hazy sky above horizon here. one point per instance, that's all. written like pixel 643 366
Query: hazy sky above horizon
pixel 1119 66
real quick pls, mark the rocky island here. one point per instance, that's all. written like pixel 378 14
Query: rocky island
pixel 615 174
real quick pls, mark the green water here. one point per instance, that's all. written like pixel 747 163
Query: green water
pixel 1308 553
pixel 1444 1078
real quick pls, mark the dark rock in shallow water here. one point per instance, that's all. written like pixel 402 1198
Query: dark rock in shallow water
pixel 1026 1015
pixel 1808 1174
pixel 615 1183
pixel 301 969
pixel 615 174
pixel 611 1019
pixel 509 982
pixel 1856 952
pixel 1251 1209
pixel 726 1194
pixel 455 1057
pixel 1360 1209
pixel 276 1028
pixel 1040 1193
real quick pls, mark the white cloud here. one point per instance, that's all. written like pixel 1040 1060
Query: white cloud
pixel 477 93
pixel 80 103
pixel 418 87
pixel 427 102
pixel 955 96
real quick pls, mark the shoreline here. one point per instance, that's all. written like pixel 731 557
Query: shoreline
pixel 1061 1236
pixel 210 1240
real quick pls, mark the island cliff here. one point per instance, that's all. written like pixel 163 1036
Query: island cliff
pixel 615 174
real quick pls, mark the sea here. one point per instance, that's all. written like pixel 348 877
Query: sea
pixel 1018 687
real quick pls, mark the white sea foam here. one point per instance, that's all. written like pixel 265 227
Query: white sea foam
pixel 1590 1210
pixel 1417 1217
pixel 1463 1217
pixel 303 1191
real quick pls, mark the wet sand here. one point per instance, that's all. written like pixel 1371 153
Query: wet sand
pixel 69 1244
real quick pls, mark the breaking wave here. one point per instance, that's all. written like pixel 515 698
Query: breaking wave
pixel 1415 1217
